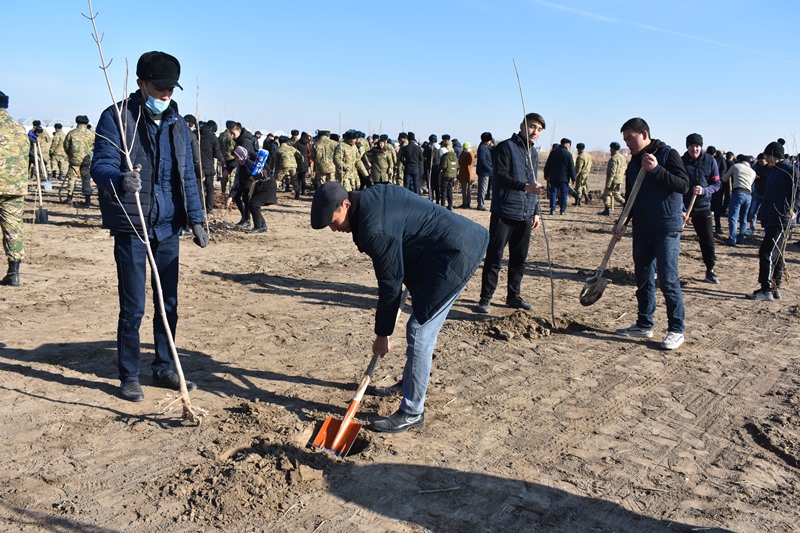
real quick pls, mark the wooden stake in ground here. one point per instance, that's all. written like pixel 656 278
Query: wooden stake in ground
pixel 541 218
pixel 189 414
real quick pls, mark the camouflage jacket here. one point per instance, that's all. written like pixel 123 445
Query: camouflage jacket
pixel 57 146
pixel 13 157
pixel 78 144
pixel 287 157
pixel 227 143
pixel 322 155
pixel 348 161
pixel 382 166
pixel 583 165
pixel 615 172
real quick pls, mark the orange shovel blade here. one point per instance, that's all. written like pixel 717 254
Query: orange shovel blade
pixel 326 436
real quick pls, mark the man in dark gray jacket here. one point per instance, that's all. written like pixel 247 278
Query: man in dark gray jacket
pixel 515 211
pixel 412 242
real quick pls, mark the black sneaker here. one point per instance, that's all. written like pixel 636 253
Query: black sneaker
pixel 131 391
pixel 170 380
pixel 760 295
pixel 519 303
pixel 484 307
pixel 398 422
pixel 711 277
pixel 776 294
pixel 259 229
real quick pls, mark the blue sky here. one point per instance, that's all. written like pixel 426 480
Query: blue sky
pixel 728 70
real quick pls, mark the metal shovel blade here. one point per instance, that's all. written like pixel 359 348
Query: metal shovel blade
pixel 593 289
pixel 326 436
pixel 42 216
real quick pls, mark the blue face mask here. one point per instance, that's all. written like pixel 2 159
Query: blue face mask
pixel 157 106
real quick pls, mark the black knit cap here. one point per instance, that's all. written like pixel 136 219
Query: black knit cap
pixel 775 149
pixel 160 69
pixel 580 146
pixel 3 100
pixel 295 132
pixel 327 199
pixel 614 145
pixel 81 119
pixel 190 119
pixel 694 138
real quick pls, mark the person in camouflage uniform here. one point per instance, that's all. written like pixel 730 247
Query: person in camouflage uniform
pixel 286 166
pixel 399 168
pixel 348 162
pixel 227 142
pixel 363 148
pixel 13 186
pixel 79 143
pixel 392 153
pixel 58 157
pixel 583 166
pixel 322 154
pixel 381 168
pixel 615 176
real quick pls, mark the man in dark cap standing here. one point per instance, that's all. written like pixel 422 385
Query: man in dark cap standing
pixel 703 182
pixel 13 186
pixel 163 180
pixel 779 206
pixel 411 242
pixel 559 171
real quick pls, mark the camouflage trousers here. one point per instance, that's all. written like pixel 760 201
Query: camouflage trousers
pixel 74 174
pixel 582 187
pixel 611 193
pixel 287 177
pixel 59 165
pixel 322 177
pixel 11 210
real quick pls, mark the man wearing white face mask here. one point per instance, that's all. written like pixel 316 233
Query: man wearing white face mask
pixel 164 178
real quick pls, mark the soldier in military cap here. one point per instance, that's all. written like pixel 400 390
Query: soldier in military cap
pixel 287 160
pixel 58 157
pixel 322 154
pixel 615 174
pixel 13 186
pixel 348 162
pixel 78 144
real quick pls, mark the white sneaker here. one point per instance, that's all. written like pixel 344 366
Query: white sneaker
pixel 636 332
pixel 672 341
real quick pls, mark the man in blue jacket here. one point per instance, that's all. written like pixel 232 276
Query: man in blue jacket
pixel 657 215
pixel 484 167
pixel 514 212
pixel 779 206
pixel 163 176
pixel 559 171
pixel 411 242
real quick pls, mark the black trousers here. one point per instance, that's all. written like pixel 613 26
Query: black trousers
pixel 770 260
pixel 703 226
pixel 258 200
pixel 434 185
pixel 446 192
pixel 516 234
pixel 241 197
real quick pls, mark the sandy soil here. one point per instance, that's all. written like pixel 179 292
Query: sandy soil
pixel 528 426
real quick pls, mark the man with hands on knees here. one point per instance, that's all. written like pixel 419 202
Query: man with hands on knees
pixel 163 179
pixel 657 215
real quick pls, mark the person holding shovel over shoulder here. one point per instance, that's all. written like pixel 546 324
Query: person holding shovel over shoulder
pixel 657 215
pixel 411 242
pixel 163 180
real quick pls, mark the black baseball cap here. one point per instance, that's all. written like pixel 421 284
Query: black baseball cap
pixel 160 69
pixel 327 199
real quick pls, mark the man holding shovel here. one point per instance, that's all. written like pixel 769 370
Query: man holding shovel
pixel 163 179
pixel 657 215
pixel 412 242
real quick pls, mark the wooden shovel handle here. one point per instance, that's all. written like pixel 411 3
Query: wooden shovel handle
pixel 626 210
pixel 689 211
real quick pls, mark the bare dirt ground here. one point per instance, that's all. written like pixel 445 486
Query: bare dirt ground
pixel 529 427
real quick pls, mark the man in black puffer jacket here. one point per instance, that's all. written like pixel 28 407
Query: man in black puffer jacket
pixel 703 173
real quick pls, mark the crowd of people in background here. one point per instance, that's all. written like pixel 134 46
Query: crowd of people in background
pixel 455 175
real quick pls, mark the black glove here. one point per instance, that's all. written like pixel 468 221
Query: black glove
pixel 200 235
pixel 131 182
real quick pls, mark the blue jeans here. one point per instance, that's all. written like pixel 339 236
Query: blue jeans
pixel 559 193
pixel 411 180
pixel 737 216
pixel 658 252
pixel 752 213
pixel 131 258
pixel 420 341
pixel 483 187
